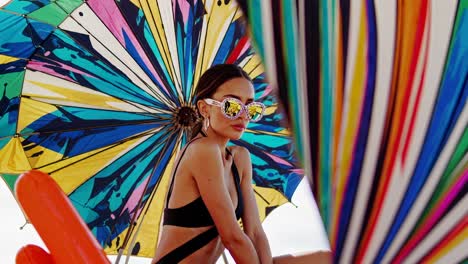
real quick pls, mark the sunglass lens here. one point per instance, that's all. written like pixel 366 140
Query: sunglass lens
pixel 255 112
pixel 232 108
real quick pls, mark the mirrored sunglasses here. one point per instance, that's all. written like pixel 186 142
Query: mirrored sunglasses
pixel 232 108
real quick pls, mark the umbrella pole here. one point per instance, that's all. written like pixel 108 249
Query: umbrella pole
pixel 119 256
pixel 132 244
pixel 133 220
pixel 225 258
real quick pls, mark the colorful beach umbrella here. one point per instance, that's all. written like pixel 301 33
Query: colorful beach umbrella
pixel 99 94
pixel 386 84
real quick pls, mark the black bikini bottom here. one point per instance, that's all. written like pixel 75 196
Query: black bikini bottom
pixel 189 247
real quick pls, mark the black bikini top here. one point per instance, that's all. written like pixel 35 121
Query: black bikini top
pixel 195 213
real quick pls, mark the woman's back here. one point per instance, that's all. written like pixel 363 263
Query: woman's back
pixel 186 217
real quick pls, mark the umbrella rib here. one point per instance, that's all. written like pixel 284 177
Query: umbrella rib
pixel 171 73
pixel 161 98
pixel 134 217
pixel 136 105
pixel 179 82
pixel 78 129
pixel 261 196
pixel 163 121
pixel 254 68
pixel 57 104
pixel 157 184
pixel 175 79
pixel 27 60
pixel 19 107
pixel 202 55
pixel 144 50
pixel 268 203
pixel 130 230
pixel 103 150
pixel 26 17
pixel 126 101
pixel 204 42
pixel 149 106
pixel 230 23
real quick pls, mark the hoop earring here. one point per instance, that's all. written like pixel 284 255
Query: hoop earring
pixel 206 124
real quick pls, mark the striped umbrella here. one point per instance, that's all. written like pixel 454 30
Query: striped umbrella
pixel 386 84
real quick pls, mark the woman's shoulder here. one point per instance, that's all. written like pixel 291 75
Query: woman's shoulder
pixel 241 156
pixel 239 151
pixel 203 147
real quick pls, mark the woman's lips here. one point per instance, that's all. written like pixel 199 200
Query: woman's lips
pixel 239 127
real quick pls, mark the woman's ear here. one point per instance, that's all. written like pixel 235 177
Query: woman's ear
pixel 202 108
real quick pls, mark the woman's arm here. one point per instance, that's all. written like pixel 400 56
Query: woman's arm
pixel 320 256
pixel 251 219
pixel 208 171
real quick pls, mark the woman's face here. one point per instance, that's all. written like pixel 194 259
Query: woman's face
pixel 241 89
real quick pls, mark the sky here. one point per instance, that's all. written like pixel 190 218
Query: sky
pixel 299 223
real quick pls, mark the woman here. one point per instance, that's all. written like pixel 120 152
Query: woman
pixel 211 185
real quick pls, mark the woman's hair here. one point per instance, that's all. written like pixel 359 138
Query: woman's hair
pixel 209 83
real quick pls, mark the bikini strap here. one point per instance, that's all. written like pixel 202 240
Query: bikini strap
pixel 173 175
pixel 189 247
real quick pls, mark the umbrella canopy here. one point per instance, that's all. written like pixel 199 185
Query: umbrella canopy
pixel 386 84
pixel 99 94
